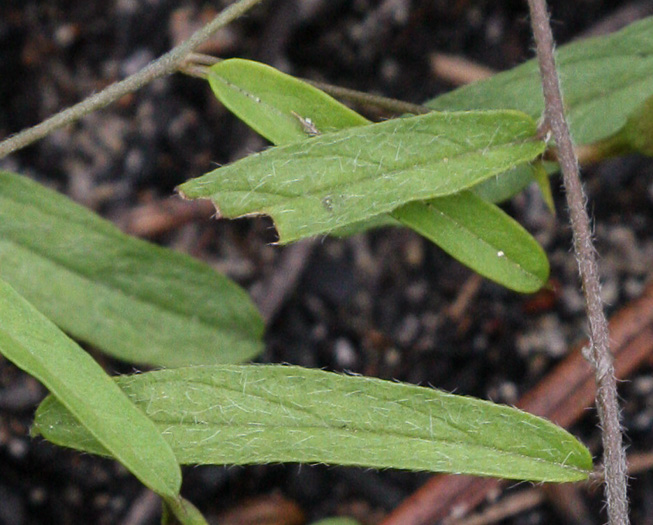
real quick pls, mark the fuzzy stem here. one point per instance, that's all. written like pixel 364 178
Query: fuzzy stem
pixel 163 66
pixel 598 353
pixel 198 64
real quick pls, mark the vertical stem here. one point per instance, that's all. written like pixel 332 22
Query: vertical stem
pixel 598 354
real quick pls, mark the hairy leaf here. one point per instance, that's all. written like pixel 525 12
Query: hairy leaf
pixel 279 107
pixel 132 299
pixel 333 180
pixel 258 414
pixel 89 395
pixel 271 102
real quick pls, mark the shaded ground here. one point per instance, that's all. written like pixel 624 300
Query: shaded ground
pixel 379 304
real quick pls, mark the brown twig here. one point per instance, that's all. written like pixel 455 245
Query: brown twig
pixel 458 70
pixel 273 293
pixel 161 216
pixel 598 353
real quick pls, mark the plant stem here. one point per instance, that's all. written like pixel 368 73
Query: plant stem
pixel 367 99
pixel 198 64
pixel 160 67
pixel 598 354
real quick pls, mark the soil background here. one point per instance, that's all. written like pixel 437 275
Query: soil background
pixel 378 304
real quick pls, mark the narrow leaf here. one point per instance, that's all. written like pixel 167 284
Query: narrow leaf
pixel 604 80
pixel 258 414
pixel 276 105
pixel 132 299
pixel 330 181
pixel 481 236
pixel 181 511
pixel 34 344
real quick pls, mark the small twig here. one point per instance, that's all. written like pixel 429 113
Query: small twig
pixel 506 508
pixel 274 292
pixel 143 509
pixel 458 70
pixel 599 350
pixel 161 216
pixel 160 67
pixel 466 295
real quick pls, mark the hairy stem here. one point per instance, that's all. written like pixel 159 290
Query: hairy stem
pixel 163 66
pixel 198 64
pixel 598 353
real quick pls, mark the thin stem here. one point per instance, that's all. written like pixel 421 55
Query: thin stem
pixel 198 64
pixel 359 97
pixel 163 66
pixel 598 353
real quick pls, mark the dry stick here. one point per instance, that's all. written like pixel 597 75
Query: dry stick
pixel 163 66
pixel 598 353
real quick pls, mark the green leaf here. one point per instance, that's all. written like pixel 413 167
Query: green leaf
pixel 274 104
pixel 330 181
pixel 271 102
pixel 259 414
pixel 501 188
pixel 603 80
pixel 180 510
pixel 341 520
pixel 132 299
pixel 637 134
pixel 90 396
pixel 482 236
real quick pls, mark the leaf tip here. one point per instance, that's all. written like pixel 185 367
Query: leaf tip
pixel 179 191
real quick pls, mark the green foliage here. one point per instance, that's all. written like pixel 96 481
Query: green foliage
pixel 637 134
pixel 604 80
pixel 33 343
pixel 480 235
pixel 332 172
pixel 234 414
pixel 259 95
pixel 180 510
pixel 339 178
pixel 134 300
pixel 273 103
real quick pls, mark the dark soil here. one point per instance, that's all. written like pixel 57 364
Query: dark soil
pixel 373 304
